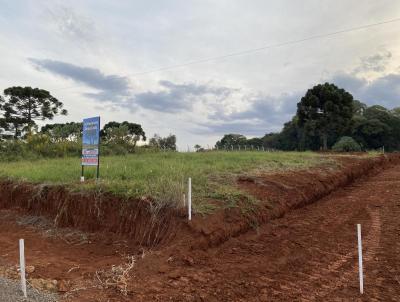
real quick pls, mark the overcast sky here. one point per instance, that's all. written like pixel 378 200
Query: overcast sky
pixel 94 56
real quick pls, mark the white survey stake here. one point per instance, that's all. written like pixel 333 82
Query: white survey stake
pixel 360 260
pixel 22 266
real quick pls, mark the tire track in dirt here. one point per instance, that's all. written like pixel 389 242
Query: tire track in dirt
pixel 345 265
pixel 372 244
pixel 308 255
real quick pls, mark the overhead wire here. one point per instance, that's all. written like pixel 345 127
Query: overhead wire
pixel 257 49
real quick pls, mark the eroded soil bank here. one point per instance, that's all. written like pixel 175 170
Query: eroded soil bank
pixel 136 219
pixel 280 192
pixel 309 254
pixel 144 224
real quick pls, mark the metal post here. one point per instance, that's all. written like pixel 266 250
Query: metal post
pixel 98 156
pixel 82 175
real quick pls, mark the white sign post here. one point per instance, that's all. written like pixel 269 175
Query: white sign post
pixel 360 260
pixel 190 198
pixel 22 265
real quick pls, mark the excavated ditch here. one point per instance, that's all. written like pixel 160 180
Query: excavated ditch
pixel 137 219
pixel 281 192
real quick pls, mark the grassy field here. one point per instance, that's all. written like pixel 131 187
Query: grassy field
pixel 163 176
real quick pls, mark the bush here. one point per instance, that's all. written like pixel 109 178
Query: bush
pixel 346 144
pixel 12 150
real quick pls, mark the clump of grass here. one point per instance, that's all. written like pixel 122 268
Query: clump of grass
pixel 163 176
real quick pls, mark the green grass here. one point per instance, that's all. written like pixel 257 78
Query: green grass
pixel 163 176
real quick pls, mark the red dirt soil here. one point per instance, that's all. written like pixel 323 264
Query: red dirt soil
pixel 308 255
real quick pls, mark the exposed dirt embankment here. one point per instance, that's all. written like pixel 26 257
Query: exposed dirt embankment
pixel 136 219
pixel 282 192
pixel 144 224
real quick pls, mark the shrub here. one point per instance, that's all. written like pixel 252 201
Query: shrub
pixel 346 144
pixel 12 150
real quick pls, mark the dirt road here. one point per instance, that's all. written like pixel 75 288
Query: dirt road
pixel 308 255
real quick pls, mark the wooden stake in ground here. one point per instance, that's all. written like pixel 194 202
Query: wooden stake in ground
pixel 360 261
pixel 22 266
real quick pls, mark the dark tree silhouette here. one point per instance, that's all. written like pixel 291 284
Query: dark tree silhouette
pixel 21 106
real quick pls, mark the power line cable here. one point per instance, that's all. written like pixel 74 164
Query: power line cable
pixel 258 49
pixel 253 50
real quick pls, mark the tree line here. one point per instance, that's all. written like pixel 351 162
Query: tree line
pixel 328 117
pixel 20 135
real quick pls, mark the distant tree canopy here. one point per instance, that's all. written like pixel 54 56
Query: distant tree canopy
pixel 231 140
pixel 62 132
pixel 325 114
pixel 21 106
pixel 325 111
pixel 167 143
pixel 123 133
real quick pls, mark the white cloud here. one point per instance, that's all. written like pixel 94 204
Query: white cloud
pixel 105 42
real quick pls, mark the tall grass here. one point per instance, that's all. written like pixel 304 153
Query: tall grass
pixel 163 176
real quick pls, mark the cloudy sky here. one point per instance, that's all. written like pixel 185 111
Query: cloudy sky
pixel 109 58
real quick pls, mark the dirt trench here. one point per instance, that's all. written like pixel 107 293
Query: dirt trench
pixel 279 193
pixel 309 254
pixel 143 224
pixel 136 219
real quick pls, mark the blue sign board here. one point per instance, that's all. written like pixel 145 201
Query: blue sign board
pixel 91 141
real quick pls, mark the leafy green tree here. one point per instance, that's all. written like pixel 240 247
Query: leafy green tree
pixel 3 128
pixel 396 112
pixel 378 112
pixel 326 111
pixel 123 133
pixel 118 135
pixel 389 122
pixel 371 133
pixel 270 140
pixel 359 108
pixel 229 140
pixel 62 132
pixel 255 141
pixel 21 106
pixel 292 137
pixel 164 143
pixel 288 139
